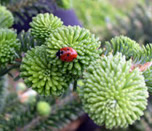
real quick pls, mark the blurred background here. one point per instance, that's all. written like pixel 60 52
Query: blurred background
pixel 104 18
pixel 115 17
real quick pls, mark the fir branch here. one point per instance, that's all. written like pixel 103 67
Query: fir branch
pixel 31 124
pixel 19 4
pixel 4 71
pixel 24 117
pixel 3 92
pixel 27 42
pixel 23 10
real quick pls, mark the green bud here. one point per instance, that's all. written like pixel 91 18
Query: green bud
pixel 81 40
pixel 122 44
pixel 111 94
pixel 43 108
pixel 44 24
pixel 40 74
pixel 9 45
pixel 6 18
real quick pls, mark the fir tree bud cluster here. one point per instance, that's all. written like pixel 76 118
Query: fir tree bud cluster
pixel 9 45
pixel 42 70
pixel 113 81
pixel 122 44
pixel 6 17
pixel 111 94
pixel 81 40
pixel 41 75
pixel 43 24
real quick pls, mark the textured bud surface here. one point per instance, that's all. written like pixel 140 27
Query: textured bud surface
pixel 122 44
pixel 112 95
pixel 6 18
pixel 43 108
pixel 9 44
pixel 81 40
pixel 42 76
pixel 43 24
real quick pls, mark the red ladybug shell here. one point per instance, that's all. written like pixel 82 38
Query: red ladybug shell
pixel 67 54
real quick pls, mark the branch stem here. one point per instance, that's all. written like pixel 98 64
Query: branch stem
pixel 75 85
pixel 5 71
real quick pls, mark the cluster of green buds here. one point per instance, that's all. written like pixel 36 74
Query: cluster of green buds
pixel 41 75
pixel 81 40
pixel 9 45
pixel 6 17
pixel 113 91
pixel 113 95
pixel 122 44
pixel 44 24
pixel 42 69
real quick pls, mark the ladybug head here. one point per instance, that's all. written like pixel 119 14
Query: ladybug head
pixel 58 54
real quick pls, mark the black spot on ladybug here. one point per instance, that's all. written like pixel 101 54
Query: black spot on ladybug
pixel 68 49
pixel 58 53
pixel 68 54
pixel 61 52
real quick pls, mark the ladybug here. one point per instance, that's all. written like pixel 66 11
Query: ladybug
pixel 67 54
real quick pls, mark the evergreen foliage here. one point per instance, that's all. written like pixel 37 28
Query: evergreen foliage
pixel 137 25
pixel 110 81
